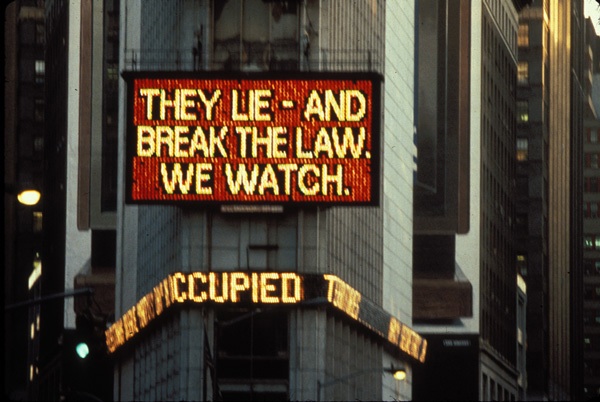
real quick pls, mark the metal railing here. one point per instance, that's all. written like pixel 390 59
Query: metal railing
pixel 288 60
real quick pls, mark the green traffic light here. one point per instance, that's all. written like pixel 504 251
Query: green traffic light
pixel 82 350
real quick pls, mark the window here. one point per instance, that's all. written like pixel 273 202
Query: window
pixel 591 242
pixel 591 317
pixel 523 38
pixel 591 267
pixel 40 34
pixel 591 292
pixel 523 72
pixel 522 111
pixel 588 242
pixel 522 264
pixel 591 184
pixel 38 110
pixel 256 35
pixel 38 144
pixel 522 149
pixel 485 388
pixel 246 365
pixel 591 160
pixel 590 209
pixel 37 222
pixel 593 136
pixel 522 222
pixel 40 71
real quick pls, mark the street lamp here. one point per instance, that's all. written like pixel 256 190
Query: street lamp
pixel 26 193
pixel 399 374
pixel 29 197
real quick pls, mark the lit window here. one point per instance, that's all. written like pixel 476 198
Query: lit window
pixel 588 242
pixel 523 72
pixel 523 38
pixel 37 222
pixel 522 264
pixel 40 71
pixel 592 160
pixel 38 144
pixel 522 111
pixel 522 149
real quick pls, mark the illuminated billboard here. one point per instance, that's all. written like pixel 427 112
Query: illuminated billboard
pixel 277 289
pixel 253 139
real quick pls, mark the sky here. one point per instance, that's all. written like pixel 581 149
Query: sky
pixel 592 8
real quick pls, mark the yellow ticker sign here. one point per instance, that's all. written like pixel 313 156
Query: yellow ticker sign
pixel 245 288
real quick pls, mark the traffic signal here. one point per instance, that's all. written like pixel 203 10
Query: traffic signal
pixel 87 369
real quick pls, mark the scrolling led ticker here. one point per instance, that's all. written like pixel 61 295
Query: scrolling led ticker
pixel 263 288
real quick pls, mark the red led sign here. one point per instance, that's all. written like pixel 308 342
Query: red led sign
pixel 253 139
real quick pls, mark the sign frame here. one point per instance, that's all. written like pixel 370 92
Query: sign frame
pixel 373 166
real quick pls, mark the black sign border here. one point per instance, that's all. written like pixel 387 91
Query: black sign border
pixel 376 137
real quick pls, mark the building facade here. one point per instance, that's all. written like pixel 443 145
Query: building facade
pixel 76 286
pixel 24 39
pixel 330 346
pixel 482 249
pixel 549 154
pixel 591 228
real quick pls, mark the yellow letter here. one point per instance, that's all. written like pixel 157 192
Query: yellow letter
pixel 209 103
pixel 297 285
pixel 302 185
pixel 314 106
pixel 149 93
pixel 266 287
pixel 145 143
pixel 237 286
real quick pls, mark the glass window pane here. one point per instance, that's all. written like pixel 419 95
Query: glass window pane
pixel 522 149
pixel 523 38
pixel 522 111
pixel 523 72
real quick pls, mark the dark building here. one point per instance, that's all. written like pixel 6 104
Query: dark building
pixel 24 68
pixel 78 138
pixel 549 187
pixel 591 217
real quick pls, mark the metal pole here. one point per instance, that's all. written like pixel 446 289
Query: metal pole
pixel 54 296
